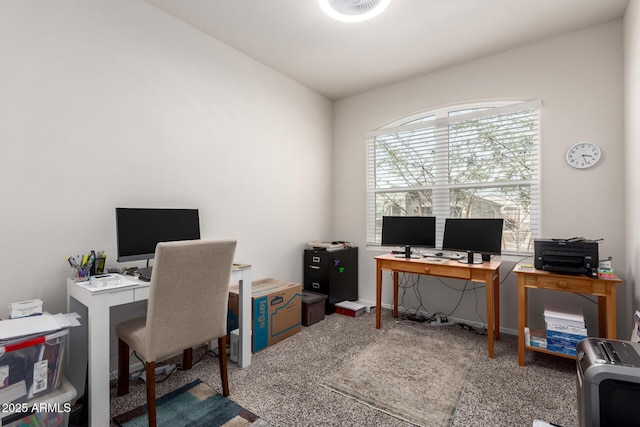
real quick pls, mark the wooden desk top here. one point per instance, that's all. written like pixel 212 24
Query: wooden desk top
pixel 427 261
pixel 531 270
pixel 449 268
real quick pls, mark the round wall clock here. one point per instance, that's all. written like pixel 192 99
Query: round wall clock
pixel 583 155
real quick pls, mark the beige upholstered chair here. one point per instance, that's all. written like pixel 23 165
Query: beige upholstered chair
pixel 188 297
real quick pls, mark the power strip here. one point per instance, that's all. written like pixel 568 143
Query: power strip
pixel 441 320
pixel 436 323
pixel 142 375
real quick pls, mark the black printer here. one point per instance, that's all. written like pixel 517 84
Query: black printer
pixel 570 256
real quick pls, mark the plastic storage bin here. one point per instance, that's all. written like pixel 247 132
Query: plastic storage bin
pixel 51 409
pixel 31 367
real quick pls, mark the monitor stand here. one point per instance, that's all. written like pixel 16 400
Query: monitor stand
pixel 407 254
pixel 470 259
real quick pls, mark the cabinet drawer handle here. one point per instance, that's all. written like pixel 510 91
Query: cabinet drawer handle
pixel 427 269
pixel 562 284
pixel 315 267
pixel 315 285
pixel 316 259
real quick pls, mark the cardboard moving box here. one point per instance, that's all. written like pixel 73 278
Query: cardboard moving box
pixel 276 311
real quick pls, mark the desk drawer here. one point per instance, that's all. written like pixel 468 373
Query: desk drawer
pixel 141 294
pixel 447 271
pixel 123 296
pixel 452 271
pixel 560 283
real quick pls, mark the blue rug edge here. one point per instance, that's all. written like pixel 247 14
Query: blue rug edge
pixel 122 419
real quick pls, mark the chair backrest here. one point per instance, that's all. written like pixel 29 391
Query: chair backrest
pixel 188 295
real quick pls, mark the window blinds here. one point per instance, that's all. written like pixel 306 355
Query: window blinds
pixel 486 154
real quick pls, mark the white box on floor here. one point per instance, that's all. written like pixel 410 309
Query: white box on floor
pixel 350 308
pixel 234 345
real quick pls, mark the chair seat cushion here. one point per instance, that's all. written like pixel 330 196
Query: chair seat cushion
pixel 133 333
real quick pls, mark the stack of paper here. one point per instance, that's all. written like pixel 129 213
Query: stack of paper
pixel 564 315
pixel 565 328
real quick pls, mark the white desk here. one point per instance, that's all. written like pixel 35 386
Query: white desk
pixel 89 343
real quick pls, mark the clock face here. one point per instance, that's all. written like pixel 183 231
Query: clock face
pixel 583 155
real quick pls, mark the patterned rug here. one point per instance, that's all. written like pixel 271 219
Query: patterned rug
pixel 193 405
pixel 411 376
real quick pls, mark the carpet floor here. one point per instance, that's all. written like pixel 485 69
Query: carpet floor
pixel 410 375
pixel 282 385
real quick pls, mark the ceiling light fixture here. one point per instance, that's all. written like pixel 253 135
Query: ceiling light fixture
pixel 353 10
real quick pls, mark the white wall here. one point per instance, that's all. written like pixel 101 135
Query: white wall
pixel 632 148
pixel 107 104
pixel 579 79
pixel 89 90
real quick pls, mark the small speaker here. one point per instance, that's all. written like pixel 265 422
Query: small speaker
pixel 486 257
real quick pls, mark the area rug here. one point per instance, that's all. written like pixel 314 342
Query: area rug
pixel 193 405
pixel 410 375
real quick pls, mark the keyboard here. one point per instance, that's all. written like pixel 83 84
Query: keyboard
pixel 144 273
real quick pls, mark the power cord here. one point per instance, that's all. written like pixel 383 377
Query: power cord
pixel 472 329
pixel 167 370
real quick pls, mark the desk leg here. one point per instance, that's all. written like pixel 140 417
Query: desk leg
pixel 491 311
pixel 496 303
pixel 378 293
pixel 522 317
pixel 98 357
pixel 607 313
pixel 602 317
pixel 77 346
pixel 395 294
pixel 244 318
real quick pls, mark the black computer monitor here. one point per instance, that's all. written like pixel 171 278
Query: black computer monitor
pixel 473 235
pixel 408 231
pixel 138 230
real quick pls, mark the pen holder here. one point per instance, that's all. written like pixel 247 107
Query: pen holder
pixel 80 274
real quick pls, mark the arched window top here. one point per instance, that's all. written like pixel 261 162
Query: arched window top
pixel 467 160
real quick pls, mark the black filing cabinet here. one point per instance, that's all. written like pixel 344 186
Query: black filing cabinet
pixel 333 273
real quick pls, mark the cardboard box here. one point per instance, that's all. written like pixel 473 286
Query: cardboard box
pixel 276 311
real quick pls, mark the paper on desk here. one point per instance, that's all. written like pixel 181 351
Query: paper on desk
pixel 105 282
pixel 24 326
pixel 436 260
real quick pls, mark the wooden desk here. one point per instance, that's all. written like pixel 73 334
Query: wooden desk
pixel 604 289
pixel 487 273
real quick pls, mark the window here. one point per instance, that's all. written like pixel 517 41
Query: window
pixel 467 161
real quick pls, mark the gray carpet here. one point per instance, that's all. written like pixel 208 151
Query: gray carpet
pixel 283 383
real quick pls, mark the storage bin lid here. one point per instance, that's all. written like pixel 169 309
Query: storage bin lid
pixel 309 297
